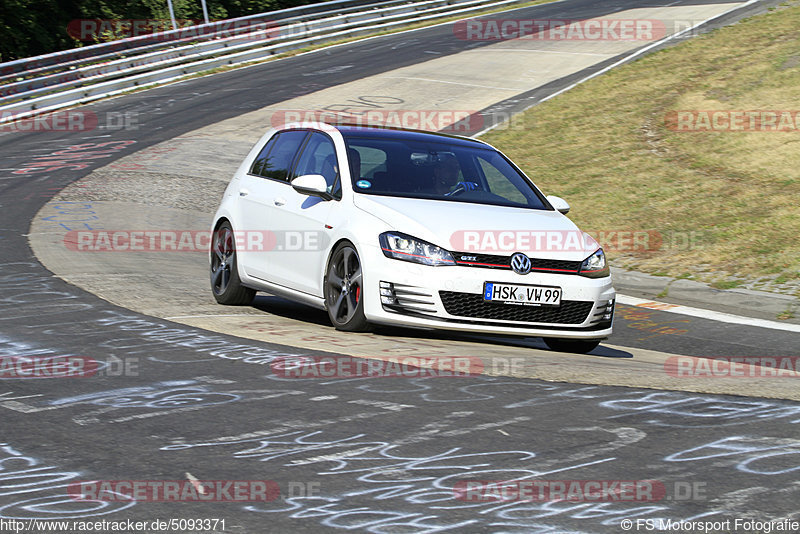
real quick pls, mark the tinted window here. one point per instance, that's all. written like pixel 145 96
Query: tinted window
pixel 275 159
pixel 496 170
pixel 261 159
pixel 373 161
pixel 319 157
pixel 439 170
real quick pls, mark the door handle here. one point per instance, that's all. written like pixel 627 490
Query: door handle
pixel 243 192
pixel 279 201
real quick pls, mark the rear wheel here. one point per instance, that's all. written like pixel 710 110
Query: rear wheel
pixel 577 346
pixel 344 292
pixel 225 283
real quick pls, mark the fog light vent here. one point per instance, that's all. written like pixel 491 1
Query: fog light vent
pixel 388 295
pixel 609 311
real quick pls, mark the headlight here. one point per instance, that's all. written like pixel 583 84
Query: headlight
pixel 595 266
pixel 407 248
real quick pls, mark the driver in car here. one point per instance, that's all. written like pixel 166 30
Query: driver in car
pixel 445 177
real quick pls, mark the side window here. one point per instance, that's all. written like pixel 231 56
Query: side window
pixel 261 161
pixel 369 166
pixel 373 160
pixel 275 160
pixel 319 157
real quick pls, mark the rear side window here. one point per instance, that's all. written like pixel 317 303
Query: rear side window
pixel 261 160
pixel 275 159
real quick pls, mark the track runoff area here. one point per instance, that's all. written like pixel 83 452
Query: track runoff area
pixel 194 393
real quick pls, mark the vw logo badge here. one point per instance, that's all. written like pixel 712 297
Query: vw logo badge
pixel 520 263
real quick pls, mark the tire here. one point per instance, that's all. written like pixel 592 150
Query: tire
pixel 225 283
pixel 576 346
pixel 344 295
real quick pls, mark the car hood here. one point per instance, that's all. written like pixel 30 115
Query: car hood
pixel 482 229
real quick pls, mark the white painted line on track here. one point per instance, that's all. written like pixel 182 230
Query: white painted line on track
pixel 19 398
pixel 647 49
pixel 706 314
pixel 449 82
pixel 626 59
pixel 541 51
pixel 212 315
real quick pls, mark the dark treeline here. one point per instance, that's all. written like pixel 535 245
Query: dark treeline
pixel 34 27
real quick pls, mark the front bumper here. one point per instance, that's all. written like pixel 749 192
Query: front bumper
pixel 451 298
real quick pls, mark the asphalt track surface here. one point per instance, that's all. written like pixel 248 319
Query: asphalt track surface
pixel 379 455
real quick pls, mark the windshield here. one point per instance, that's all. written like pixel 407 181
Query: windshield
pixel 438 170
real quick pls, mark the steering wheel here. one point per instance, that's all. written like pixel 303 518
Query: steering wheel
pixel 462 187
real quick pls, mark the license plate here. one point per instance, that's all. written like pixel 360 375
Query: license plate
pixel 522 295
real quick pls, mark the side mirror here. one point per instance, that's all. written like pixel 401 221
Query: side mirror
pixel 559 204
pixel 313 185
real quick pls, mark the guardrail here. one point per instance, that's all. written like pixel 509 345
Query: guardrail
pixel 255 29
pixel 40 65
pixel 46 83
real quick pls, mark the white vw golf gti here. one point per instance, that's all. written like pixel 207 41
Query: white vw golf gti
pixel 401 227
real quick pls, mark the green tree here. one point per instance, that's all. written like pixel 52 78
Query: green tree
pixel 34 27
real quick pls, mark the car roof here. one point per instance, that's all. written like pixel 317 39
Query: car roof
pixel 374 132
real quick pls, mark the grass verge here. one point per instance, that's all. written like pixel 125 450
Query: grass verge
pixel 726 204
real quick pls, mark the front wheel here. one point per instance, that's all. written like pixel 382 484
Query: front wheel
pixel 577 346
pixel 344 291
pixel 225 283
